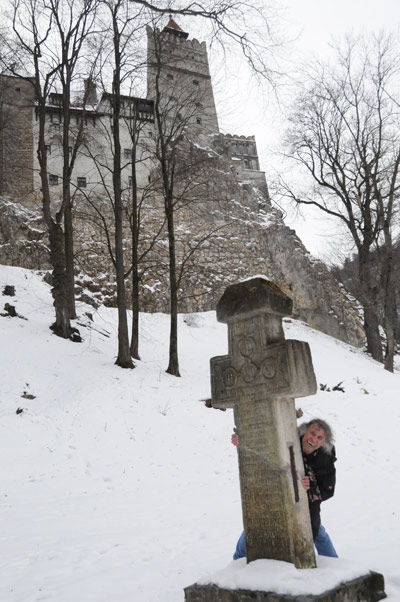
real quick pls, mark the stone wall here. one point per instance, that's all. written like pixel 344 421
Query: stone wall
pixel 16 138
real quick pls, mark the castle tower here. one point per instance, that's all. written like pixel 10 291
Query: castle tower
pixel 16 137
pixel 178 72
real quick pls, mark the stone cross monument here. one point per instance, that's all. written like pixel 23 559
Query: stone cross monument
pixel 259 379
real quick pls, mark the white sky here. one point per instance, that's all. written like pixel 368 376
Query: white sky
pixel 251 110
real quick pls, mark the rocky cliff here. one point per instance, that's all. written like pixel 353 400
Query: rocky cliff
pixel 229 232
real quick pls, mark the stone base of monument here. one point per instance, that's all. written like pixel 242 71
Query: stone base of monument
pixel 367 588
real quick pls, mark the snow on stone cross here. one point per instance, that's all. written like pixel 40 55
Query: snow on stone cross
pixel 259 379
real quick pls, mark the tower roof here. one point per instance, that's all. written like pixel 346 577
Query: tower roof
pixel 174 28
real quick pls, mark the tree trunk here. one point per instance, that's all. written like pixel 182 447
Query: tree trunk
pixel 135 258
pixel 389 304
pixel 369 293
pixel 68 228
pixel 173 366
pixel 61 326
pixel 135 318
pixel 69 257
pixel 124 355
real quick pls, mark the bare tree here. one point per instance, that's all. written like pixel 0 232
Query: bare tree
pixel 186 120
pixel 345 134
pixel 74 21
pixel 140 115
pixel 120 127
pixel 33 25
pixel 49 40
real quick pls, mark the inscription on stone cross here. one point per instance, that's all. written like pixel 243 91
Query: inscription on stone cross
pixel 259 379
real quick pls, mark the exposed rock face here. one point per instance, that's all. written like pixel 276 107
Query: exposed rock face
pixel 318 298
pixel 22 239
pixel 236 234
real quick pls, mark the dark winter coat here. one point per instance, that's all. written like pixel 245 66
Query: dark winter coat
pixel 320 467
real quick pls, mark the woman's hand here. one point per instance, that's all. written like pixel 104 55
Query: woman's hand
pixel 305 481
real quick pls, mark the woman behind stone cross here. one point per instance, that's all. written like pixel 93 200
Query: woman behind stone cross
pixel 316 442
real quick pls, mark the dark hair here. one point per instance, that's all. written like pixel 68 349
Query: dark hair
pixel 327 445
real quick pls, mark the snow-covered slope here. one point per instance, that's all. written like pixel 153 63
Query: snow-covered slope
pixel 120 485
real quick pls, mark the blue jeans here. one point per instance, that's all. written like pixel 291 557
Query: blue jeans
pixel 322 542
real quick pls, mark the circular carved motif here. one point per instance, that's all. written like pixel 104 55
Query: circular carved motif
pixel 247 347
pixel 229 377
pixel 268 368
pixel 249 372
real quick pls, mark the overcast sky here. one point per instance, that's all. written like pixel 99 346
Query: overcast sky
pixel 311 25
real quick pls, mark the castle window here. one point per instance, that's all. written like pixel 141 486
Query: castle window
pixel 18 91
pixel 196 82
pixel 198 120
pixel 130 182
pixel 127 153
pixel 81 182
pixel 48 149
pixel 170 76
pixel 53 180
pixel 70 151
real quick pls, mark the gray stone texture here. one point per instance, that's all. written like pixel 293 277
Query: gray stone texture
pixel 368 588
pixel 16 138
pixel 250 238
pixel 259 378
pixel 22 239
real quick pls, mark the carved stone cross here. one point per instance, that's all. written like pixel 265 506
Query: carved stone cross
pixel 260 378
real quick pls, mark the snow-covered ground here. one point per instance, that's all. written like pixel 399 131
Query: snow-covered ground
pixel 121 486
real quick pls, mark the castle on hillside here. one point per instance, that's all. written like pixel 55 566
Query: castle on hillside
pixel 226 231
pixel 177 73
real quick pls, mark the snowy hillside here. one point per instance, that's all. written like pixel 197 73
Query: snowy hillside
pixel 121 486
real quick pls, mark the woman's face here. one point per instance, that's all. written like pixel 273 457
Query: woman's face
pixel 313 438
